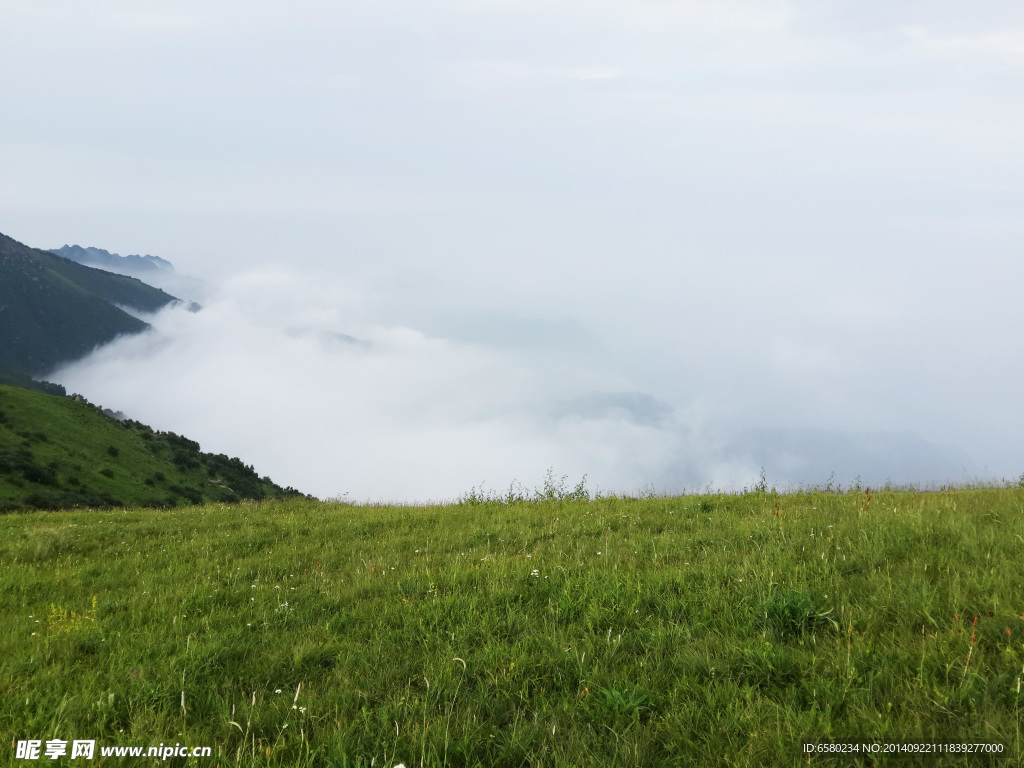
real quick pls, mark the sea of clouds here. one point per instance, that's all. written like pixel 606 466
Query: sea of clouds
pixel 298 377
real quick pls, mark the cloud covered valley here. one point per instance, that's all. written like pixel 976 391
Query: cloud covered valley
pixel 301 379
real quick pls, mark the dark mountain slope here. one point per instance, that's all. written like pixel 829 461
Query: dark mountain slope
pixel 53 310
pixel 60 452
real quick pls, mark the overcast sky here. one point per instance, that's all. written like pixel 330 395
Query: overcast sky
pixel 663 243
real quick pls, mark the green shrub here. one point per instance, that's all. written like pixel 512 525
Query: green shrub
pixel 794 613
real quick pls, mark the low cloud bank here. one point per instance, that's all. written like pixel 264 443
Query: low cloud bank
pixel 290 375
pixel 276 370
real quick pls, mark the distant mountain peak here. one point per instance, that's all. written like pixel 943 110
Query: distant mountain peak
pixel 151 270
pixel 98 257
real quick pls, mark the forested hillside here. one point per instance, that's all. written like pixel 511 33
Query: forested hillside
pixel 62 452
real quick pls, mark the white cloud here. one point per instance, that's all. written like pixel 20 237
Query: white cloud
pixel 148 19
pixel 498 71
pixel 269 371
pixel 1005 46
pixel 593 73
pixel 296 377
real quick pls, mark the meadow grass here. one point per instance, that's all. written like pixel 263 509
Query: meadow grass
pixel 698 630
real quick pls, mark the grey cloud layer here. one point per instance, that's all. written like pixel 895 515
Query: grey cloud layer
pixel 768 215
pixel 268 371
pixel 264 372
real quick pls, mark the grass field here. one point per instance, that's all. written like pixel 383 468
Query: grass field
pixel 700 630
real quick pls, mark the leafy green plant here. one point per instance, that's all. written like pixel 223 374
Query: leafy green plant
pixel 552 490
pixel 628 702
pixel 793 612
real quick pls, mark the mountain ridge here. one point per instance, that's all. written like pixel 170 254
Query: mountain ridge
pixel 54 310
pixel 152 270
pixel 98 257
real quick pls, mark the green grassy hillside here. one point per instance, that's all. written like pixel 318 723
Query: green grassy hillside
pixel 56 452
pixel 53 310
pixel 694 631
